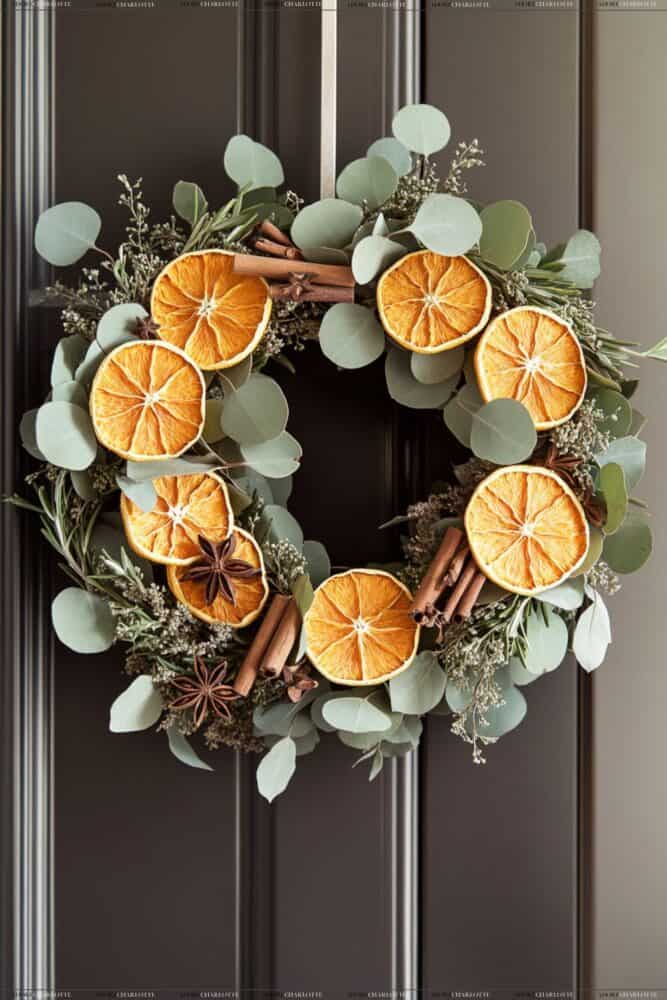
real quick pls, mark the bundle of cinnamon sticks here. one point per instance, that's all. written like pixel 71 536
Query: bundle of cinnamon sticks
pixel 289 276
pixel 452 568
pixel 272 644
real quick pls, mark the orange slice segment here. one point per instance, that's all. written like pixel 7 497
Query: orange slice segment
pixel 533 356
pixel 200 305
pixel 526 529
pixel 430 303
pixel 147 401
pixel 250 594
pixel 187 507
pixel 359 629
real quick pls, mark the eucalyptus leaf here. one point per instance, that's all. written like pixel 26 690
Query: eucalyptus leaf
pixel 616 409
pixel 283 718
pixel 592 634
pixel 328 223
pixel 250 164
pixel 459 412
pixel 393 151
pixel 66 358
pixel 433 369
pixel 189 201
pixel 405 389
pixel 420 687
pixel 369 181
pixel 283 526
pixel 70 392
pixel 373 255
pixel 351 336
pixel 447 224
pixel 213 421
pixel 83 484
pixel 143 493
pixel 318 563
pixel 138 707
pixel 581 259
pixel 304 744
pixel 502 719
pixel 638 422
pixel 326 255
pixel 612 487
pixel 318 705
pixel 65 232
pixel 276 459
pixel 567 595
pixel 503 432
pixel 302 589
pixel 281 490
pixel 518 673
pixel 255 413
pixel 117 326
pixel 380 227
pixel 630 546
pixel 547 637
pixel 237 375
pixel 630 454
pixel 359 741
pixel 506 231
pixel 28 434
pixel 141 471
pixel 109 536
pixel 421 128
pixel 593 553
pixel 183 751
pixel 65 435
pixel 83 621
pixel 376 765
pixel 355 715
pixel 276 769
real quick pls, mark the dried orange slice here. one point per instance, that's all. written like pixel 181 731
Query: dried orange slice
pixel 187 507
pixel 200 305
pixel 147 401
pixel 431 303
pixel 359 629
pixel 533 356
pixel 250 594
pixel 526 529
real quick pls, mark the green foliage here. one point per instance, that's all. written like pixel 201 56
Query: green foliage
pixel 82 621
pixel 66 232
pixel 503 432
pixel 137 708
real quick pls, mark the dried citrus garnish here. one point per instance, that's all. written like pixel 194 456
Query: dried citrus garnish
pixel 200 305
pixel 533 356
pixel 147 401
pixel 247 583
pixel 359 629
pixel 526 529
pixel 187 507
pixel 431 303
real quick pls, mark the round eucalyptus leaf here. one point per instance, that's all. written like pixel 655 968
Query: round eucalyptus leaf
pixel 593 553
pixel 83 621
pixel 276 459
pixel 421 128
pixel 283 526
pixel 256 412
pixel 109 536
pixel 372 255
pixel 359 741
pixel 142 494
pixel 326 255
pixel 380 227
pixel 628 548
pixel 250 163
pixel 65 435
pixel 252 482
pixel 281 490
pixel 66 358
pixel 83 484
pixel 317 706
pixel 501 719
pixel 581 259
pixel 276 769
pixel 568 595
pixel 70 392
pixel 140 471
pixel 405 389
pixel 318 564
pixel 189 201
pixel 393 151
pixel 460 410
pixel 183 751
pixel 117 325
pixel 304 744
pixel 65 232
pixel 612 487
pixel 506 230
pixel 432 369
pixel 420 688
pixel 617 411
pixel 213 423
pixel 237 375
pixel 503 432
pixel 355 715
pixel 351 336
pixel 138 707
pixel 592 634
pixel 518 673
pixel 547 641
pixel 369 181
pixel 630 454
pixel 283 718
pixel 447 224
pixel 28 434
pixel 331 222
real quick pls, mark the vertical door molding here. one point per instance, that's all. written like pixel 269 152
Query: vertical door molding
pixel 27 676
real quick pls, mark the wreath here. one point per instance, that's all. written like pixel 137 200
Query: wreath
pixel 165 463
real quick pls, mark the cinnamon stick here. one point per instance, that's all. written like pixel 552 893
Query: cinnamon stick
pixel 277 235
pixel 283 639
pixel 454 570
pixel 320 293
pixel 470 596
pixel 253 658
pixel 459 590
pixel 278 249
pixel 267 267
pixel 434 579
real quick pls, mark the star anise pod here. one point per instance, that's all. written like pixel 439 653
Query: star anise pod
pixel 204 693
pixel 564 465
pixel 299 284
pixel 146 328
pixel 217 569
pixel 298 681
pixel 595 508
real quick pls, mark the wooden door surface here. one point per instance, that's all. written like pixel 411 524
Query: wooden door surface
pixel 440 875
